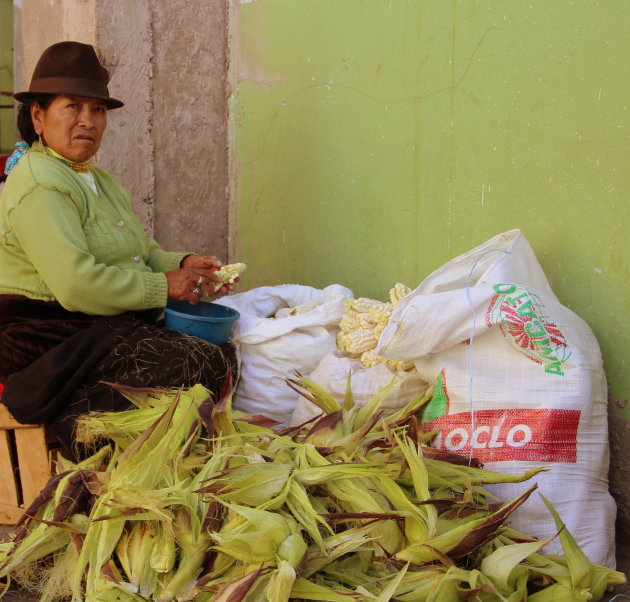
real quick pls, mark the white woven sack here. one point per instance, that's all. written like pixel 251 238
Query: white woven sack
pixel 332 374
pixel 519 383
pixel 271 349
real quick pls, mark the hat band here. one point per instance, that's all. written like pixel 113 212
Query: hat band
pixel 65 85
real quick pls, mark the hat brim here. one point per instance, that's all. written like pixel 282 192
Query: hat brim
pixel 24 97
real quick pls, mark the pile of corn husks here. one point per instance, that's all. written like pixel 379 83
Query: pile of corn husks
pixel 194 502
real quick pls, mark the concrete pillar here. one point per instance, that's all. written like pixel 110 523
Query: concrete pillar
pixel 125 37
pixel 190 125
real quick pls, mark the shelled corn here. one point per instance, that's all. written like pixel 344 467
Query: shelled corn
pixel 362 325
pixel 209 504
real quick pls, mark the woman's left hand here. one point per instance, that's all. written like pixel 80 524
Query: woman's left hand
pixel 205 266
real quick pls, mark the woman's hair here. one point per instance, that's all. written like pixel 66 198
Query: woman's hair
pixel 24 121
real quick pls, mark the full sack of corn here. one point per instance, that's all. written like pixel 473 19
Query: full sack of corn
pixel 192 501
pixel 519 382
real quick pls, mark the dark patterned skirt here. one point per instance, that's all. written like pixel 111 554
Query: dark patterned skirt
pixel 57 364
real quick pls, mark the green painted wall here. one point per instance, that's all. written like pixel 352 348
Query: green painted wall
pixel 7 126
pixel 373 140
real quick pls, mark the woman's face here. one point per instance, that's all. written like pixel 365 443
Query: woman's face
pixel 71 125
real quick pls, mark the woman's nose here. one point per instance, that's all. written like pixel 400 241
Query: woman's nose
pixel 86 118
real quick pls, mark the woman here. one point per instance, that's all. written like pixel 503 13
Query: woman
pixel 81 285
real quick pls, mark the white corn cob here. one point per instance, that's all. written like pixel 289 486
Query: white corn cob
pixel 362 325
pixel 362 304
pixel 370 359
pixel 378 329
pixel 398 292
pixel 357 341
pixel 380 314
pixel 228 274
pixel 350 321
pixel 365 322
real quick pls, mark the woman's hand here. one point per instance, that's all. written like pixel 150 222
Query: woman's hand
pixel 196 276
pixel 186 284
pixel 204 262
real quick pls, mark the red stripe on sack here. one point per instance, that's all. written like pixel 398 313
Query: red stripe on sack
pixel 510 434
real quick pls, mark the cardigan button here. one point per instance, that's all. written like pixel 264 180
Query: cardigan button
pixel 136 258
pixel 121 224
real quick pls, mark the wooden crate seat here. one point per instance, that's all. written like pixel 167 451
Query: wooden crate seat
pixel 25 465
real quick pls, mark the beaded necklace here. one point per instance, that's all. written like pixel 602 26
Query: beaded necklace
pixel 78 167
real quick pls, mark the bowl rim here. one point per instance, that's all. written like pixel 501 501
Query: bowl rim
pixel 233 314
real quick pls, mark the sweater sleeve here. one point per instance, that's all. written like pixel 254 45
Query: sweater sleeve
pixel 162 261
pixel 48 227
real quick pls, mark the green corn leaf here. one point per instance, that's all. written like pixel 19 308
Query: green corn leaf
pixel 348 400
pixel 390 589
pixel 500 564
pixel 281 583
pixel 462 539
pixel 307 590
pixel 561 593
pixel 580 566
pixel 315 394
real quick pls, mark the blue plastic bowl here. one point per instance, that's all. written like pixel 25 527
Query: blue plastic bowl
pixel 208 321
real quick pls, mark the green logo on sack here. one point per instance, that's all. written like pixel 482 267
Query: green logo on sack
pixel 520 314
pixel 438 406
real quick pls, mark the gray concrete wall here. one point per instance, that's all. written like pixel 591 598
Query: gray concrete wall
pixel 124 35
pixel 40 23
pixel 190 125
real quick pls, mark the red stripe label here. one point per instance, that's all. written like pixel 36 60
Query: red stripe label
pixel 509 435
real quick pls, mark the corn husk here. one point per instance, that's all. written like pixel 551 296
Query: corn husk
pixel 195 502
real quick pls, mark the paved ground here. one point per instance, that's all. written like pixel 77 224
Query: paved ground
pixel 621 594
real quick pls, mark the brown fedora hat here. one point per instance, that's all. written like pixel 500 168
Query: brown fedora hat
pixel 70 68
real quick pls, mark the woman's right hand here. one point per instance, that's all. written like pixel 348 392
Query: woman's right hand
pixel 186 284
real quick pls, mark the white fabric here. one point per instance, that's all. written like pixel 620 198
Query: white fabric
pixel 88 176
pixel 272 349
pixel 536 394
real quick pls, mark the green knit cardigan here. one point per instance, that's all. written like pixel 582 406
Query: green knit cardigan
pixel 61 241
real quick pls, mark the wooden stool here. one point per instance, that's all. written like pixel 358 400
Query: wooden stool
pixel 25 465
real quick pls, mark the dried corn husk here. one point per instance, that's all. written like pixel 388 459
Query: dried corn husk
pixel 206 504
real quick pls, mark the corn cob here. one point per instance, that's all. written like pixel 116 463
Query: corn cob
pixel 228 274
pixel 370 358
pixel 380 314
pixel 357 341
pixel 397 293
pixel 362 324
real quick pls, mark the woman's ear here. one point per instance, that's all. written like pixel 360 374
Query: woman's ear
pixel 36 116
